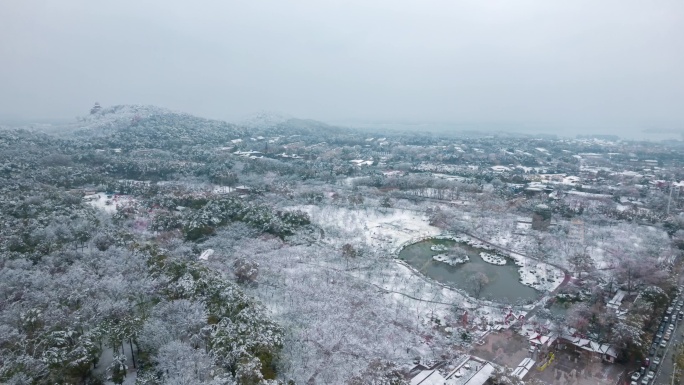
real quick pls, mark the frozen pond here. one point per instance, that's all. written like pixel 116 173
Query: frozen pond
pixel 502 283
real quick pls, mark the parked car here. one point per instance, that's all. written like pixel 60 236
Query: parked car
pixel 680 315
pixel 663 344
pixel 635 376
pixel 647 362
pixel 669 310
pixel 656 361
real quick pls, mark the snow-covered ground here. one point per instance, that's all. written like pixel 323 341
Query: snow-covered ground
pixel 339 312
pixel 107 203
pixel 391 229
pixel 493 258
pixel 451 259
pixel 385 229
pixel 538 275
pixel 378 307
pixel 105 361
pixel 206 254
pixel 569 237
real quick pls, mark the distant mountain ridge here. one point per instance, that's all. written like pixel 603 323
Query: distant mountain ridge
pixel 276 124
pixel 125 116
pixel 143 126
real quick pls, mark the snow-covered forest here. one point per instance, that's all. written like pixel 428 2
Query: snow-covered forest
pixel 145 246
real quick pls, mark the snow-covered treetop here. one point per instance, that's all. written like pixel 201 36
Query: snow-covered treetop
pixel 115 116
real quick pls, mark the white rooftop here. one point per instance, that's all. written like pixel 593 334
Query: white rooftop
pixel 481 376
pixel 428 377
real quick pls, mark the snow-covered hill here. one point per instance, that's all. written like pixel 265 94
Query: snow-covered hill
pixel 139 126
pixel 264 120
pixel 145 126
pixel 276 124
pixel 120 116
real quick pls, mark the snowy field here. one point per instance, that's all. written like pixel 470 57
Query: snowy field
pixel 107 203
pixel 607 246
pixel 339 312
pixel 379 228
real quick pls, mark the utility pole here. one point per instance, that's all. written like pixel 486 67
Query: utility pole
pixel 669 200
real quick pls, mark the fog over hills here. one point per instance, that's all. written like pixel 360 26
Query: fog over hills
pixel 430 192
pixel 146 245
pixel 609 67
pixel 267 122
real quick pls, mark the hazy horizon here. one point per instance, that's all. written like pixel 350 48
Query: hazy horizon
pixel 613 67
pixel 374 127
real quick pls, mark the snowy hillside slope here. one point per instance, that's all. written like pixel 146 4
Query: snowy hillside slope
pixel 146 127
pixel 119 116
pixel 136 126
pixel 126 116
pixel 263 120
pixel 275 124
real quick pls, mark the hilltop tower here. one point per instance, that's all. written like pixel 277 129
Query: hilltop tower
pixel 96 108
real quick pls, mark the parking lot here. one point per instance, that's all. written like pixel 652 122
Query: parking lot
pixel 669 333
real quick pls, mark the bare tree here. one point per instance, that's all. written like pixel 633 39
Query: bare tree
pixel 246 271
pixel 581 262
pixel 478 282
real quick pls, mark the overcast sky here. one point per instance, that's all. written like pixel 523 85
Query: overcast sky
pixel 604 64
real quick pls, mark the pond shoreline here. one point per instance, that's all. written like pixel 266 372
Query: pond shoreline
pixel 539 277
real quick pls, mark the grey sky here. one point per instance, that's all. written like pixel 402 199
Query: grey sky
pixel 580 63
